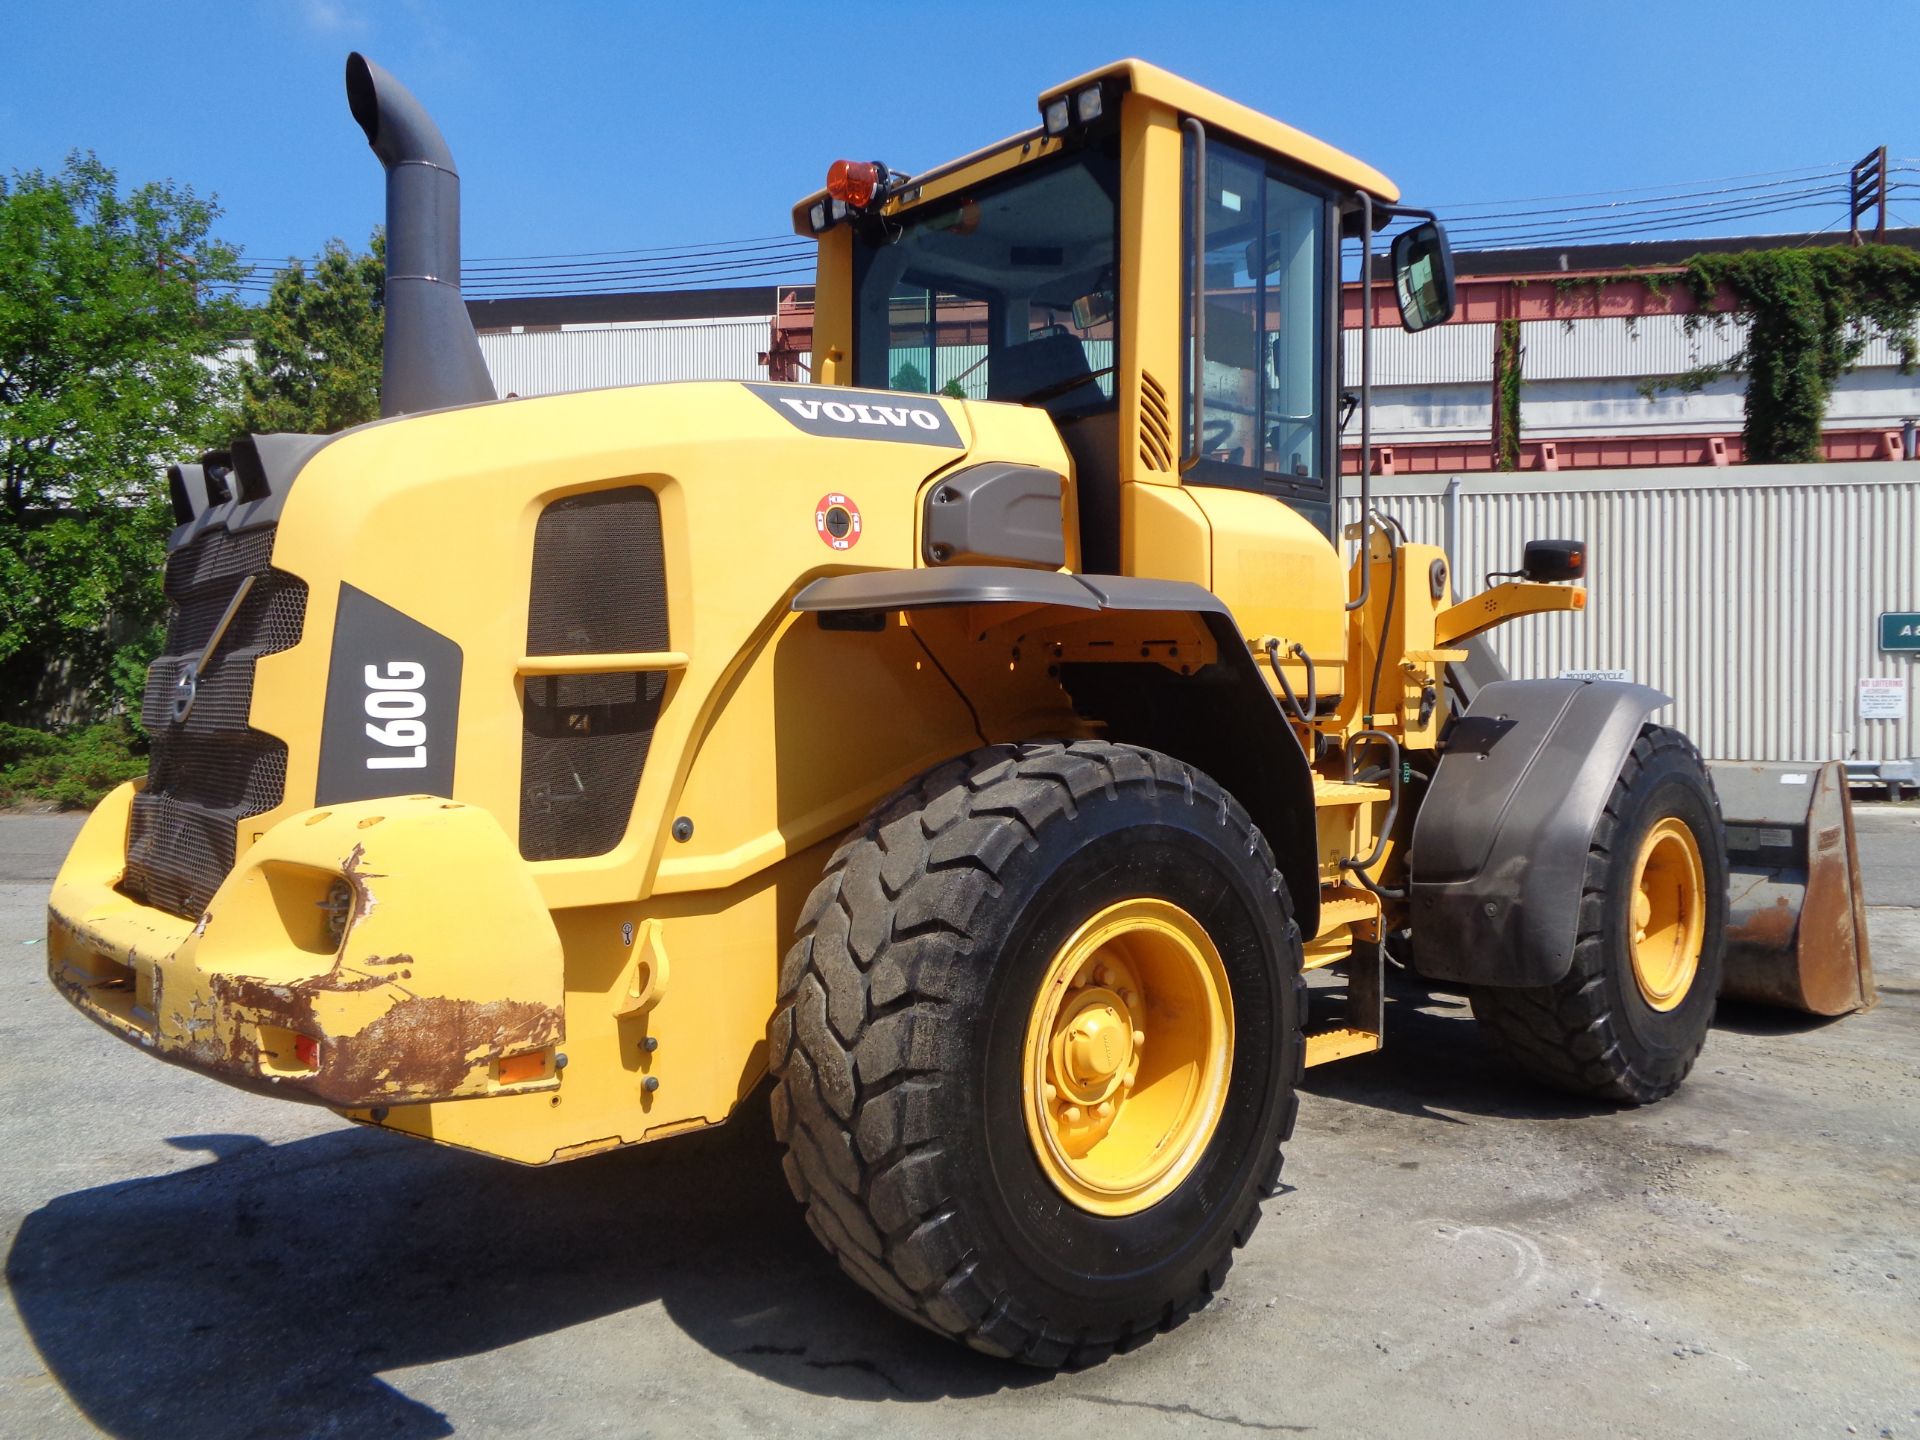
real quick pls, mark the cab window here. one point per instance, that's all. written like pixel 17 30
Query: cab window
pixel 1265 383
pixel 1005 292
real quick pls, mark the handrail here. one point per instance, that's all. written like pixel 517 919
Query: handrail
pixel 610 663
pixel 1366 401
pixel 1199 335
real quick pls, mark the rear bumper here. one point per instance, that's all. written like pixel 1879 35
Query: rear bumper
pixel 386 952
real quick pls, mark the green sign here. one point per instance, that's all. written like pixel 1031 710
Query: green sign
pixel 1900 629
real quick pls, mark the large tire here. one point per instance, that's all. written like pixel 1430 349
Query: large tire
pixel 905 1004
pixel 1606 1030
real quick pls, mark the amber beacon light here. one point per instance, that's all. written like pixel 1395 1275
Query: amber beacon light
pixel 855 181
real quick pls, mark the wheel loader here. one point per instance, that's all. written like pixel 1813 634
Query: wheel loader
pixel 976 747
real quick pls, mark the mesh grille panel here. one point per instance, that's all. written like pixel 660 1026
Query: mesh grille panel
pixel 209 771
pixel 599 587
pixel 585 744
pixel 599 579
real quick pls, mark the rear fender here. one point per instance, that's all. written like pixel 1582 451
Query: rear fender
pixel 1500 844
pixel 1157 663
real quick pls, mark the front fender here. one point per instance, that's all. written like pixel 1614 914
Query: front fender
pixel 1500 844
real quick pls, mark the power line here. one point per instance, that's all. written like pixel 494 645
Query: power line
pixel 1617 213
pixel 1836 166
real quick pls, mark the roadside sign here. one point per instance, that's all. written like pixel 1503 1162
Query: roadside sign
pixel 1883 698
pixel 1900 629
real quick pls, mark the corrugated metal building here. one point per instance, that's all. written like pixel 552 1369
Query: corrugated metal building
pixel 1749 594
pixel 587 357
pixel 547 345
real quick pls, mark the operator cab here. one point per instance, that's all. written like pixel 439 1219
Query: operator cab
pixel 1007 291
pixel 1057 270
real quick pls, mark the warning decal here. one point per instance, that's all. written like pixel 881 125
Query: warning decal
pixel 837 520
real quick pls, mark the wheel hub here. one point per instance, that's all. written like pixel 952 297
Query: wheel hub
pixel 1668 913
pixel 1128 1050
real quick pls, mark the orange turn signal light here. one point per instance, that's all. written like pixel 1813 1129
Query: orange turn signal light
pixel 518 1069
pixel 854 181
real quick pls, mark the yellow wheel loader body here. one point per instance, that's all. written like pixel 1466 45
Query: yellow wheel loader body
pixel 986 743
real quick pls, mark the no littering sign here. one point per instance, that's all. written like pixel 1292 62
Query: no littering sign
pixel 1883 698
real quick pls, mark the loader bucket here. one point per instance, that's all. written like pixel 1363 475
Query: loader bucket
pixel 1796 921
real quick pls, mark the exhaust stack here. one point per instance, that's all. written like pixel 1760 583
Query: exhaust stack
pixel 431 357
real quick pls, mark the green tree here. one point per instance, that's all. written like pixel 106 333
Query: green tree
pixel 316 345
pixel 114 310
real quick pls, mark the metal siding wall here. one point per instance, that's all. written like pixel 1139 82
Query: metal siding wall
pixel 550 362
pixel 1751 599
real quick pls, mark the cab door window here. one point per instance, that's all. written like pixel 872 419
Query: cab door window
pixel 1264 378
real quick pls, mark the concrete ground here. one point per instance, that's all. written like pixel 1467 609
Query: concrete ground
pixel 1459 1254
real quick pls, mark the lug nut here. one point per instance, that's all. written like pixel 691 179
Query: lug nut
pixel 1139 1038
pixel 1072 1115
pixel 1104 1110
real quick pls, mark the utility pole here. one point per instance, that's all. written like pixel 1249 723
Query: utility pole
pixel 1867 190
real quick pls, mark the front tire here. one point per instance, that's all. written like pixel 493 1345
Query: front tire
pixel 1628 1020
pixel 1025 932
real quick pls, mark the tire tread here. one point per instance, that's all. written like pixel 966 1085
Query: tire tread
pixel 862 1030
pixel 1566 1034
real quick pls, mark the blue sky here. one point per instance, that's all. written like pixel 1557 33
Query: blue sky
pixel 592 127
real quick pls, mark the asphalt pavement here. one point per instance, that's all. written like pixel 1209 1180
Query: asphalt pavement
pixel 1457 1253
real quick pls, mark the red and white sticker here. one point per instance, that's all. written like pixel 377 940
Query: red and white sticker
pixel 837 521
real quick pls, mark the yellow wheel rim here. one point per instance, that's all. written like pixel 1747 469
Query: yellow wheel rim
pixel 1128 1050
pixel 1669 917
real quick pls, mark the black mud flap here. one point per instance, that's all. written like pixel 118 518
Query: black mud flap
pixel 1500 845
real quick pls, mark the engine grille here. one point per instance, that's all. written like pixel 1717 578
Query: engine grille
pixel 599 587
pixel 210 770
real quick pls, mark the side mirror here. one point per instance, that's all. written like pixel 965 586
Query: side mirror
pixel 1423 275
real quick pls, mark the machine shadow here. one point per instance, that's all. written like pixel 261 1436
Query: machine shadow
pixel 1436 1061
pixel 265 1293
pixel 1743 1017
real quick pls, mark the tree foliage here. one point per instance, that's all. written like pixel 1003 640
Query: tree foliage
pixel 1810 313
pixel 316 345
pixel 113 311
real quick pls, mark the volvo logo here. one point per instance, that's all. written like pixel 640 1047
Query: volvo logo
pixel 848 414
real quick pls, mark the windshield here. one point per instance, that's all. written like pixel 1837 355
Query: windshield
pixel 1004 292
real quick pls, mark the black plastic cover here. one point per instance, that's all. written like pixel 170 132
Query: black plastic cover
pixel 997 511
pixel 1500 844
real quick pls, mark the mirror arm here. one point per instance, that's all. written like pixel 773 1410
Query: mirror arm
pixel 1366 397
pixel 1199 337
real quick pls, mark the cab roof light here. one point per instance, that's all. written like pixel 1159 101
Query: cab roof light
pixel 1061 113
